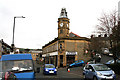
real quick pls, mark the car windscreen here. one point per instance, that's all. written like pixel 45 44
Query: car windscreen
pixel 49 66
pixel 17 66
pixel 101 68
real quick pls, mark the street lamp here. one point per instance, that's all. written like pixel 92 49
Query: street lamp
pixel 14 31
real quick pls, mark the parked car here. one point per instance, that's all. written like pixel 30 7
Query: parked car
pixel 112 61
pixel 110 54
pixel 77 63
pixel 98 72
pixel 49 69
pixel 105 51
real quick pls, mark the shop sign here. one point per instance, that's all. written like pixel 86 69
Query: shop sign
pixel 53 53
pixel 71 53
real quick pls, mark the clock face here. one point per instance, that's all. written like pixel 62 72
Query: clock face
pixel 61 24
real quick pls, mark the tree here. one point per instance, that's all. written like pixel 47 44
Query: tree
pixel 116 39
pixel 107 23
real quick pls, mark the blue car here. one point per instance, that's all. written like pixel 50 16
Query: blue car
pixel 77 63
pixel 98 72
pixel 49 69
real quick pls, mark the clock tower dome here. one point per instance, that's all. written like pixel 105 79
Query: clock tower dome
pixel 63 24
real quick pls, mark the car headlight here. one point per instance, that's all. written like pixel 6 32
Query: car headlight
pixel 113 72
pixel 55 69
pixel 46 70
pixel 99 74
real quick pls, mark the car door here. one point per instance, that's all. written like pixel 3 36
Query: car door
pixel 90 72
pixel 79 63
pixel 86 70
pixel 76 63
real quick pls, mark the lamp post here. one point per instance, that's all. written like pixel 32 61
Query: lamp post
pixel 14 32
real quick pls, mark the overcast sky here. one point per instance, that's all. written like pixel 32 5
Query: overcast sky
pixel 40 25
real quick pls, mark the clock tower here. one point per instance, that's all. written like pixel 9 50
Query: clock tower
pixel 63 24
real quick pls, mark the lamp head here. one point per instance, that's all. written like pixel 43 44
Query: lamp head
pixel 23 17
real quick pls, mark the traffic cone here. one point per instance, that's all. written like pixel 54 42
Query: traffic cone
pixel 68 70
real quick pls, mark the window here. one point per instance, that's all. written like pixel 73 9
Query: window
pixel 61 31
pixel 87 67
pixel 60 46
pixel 101 68
pixel 17 65
pixel 76 61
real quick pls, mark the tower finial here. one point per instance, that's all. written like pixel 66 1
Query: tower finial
pixel 63 13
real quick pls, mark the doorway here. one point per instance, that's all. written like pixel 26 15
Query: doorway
pixel 61 60
pixel 70 59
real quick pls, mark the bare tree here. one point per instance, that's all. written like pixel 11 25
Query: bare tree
pixel 106 23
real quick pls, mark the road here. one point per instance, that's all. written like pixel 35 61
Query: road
pixel 74 74
pixel 105 58
pixel 62 73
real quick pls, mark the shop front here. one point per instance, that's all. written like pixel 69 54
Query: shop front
pixel 71 57
pixel 51 58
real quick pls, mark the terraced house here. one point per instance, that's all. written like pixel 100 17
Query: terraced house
pixel 4 48
pixel 67 47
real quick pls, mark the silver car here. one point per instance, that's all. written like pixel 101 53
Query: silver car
pixel 98 72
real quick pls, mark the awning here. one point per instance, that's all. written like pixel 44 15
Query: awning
pixel 50 54
pixel 53 53
pixel 44 55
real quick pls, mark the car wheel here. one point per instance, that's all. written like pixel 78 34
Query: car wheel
pixel 95 78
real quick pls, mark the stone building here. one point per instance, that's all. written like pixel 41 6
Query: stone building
pixel 35 53
pixel 4 48
pixel 67 47
pixel 100 42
